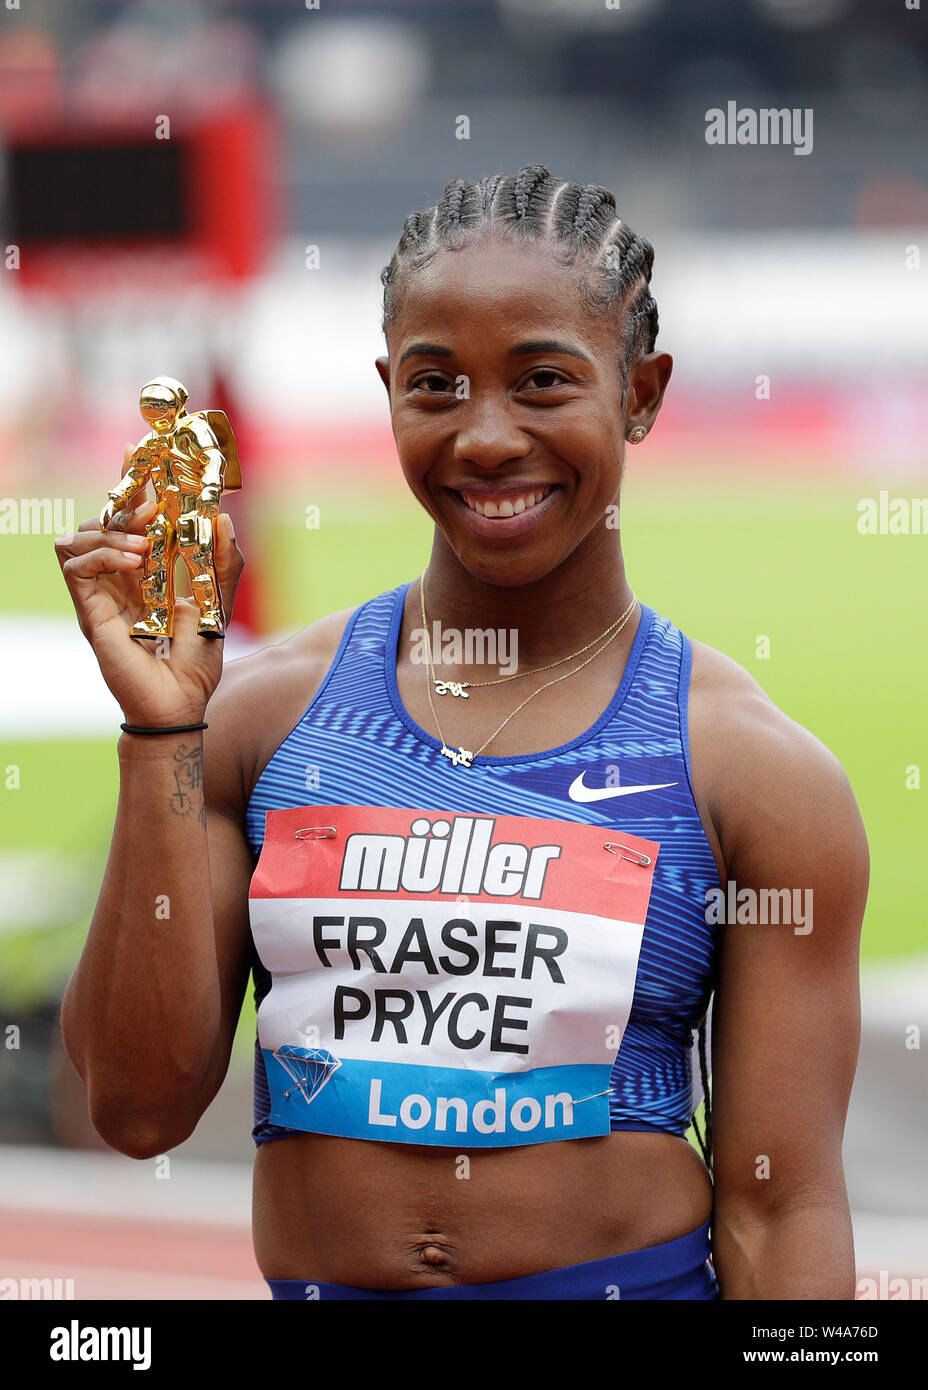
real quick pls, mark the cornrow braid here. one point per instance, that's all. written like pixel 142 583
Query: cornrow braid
pixel 531 193
pixel 488 188
pixel 460 208
pixel 590 217
pixel 579 221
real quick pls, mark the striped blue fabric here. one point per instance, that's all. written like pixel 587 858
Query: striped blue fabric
pixel 356 746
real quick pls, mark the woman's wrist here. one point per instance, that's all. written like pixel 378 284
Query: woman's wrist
pixel 159 730
pixel 162 737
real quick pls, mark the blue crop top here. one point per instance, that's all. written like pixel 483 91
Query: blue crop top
pixel 356 746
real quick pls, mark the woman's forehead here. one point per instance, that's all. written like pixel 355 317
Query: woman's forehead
pixel 500 286
pixel 493 262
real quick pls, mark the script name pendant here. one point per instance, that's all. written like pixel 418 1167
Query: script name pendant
pixel 452 687
pixel 459 758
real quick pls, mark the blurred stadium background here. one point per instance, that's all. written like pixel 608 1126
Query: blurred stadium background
pixel 239 246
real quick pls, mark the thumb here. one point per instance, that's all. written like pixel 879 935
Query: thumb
pixel 229 543
pixel 229 562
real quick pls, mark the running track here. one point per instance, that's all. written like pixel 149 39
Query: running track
pixel 119 1232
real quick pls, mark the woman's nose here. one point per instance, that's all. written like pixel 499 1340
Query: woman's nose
pixel 488 436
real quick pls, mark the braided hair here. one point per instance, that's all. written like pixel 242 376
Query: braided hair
pixel 579 221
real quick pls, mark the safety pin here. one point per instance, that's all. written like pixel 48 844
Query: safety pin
pixel 610 1092
pixel 632 855
pixel 315 832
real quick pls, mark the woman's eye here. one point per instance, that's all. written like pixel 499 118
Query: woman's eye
pixel 433 383
pixel 544 378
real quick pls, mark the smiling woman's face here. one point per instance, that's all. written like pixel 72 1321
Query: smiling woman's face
pixel 506 396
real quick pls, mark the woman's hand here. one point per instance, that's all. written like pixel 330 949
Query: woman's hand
pixel 102 569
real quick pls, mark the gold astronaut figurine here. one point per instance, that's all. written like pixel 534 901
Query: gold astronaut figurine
pixel 191 460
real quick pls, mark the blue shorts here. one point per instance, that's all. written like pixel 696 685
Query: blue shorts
pixel 677 1269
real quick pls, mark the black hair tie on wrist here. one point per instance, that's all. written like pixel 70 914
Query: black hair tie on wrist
pixel 162 729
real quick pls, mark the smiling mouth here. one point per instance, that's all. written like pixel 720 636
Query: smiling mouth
pixel 513 504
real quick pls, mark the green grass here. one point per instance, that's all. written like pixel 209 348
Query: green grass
pixel 845 615
pixel 848 630
pixel 364 545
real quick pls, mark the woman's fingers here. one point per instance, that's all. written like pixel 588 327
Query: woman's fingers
pixel 91 553
pixel 82 566
pixel 133 518
pixel 135 515
pixel 102 560
pixel 89 537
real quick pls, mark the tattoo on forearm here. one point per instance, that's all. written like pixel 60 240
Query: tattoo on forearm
pixel 187 799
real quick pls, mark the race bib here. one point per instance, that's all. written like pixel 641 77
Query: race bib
pixel 445 979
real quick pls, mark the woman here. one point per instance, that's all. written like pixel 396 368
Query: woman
pixel 484 907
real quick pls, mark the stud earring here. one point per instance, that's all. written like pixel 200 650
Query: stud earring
pixel 636 435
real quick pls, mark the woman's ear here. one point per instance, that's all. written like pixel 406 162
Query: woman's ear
pixel 383 367
pixel 647 382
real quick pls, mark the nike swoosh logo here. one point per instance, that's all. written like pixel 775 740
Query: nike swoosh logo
pixel 578 792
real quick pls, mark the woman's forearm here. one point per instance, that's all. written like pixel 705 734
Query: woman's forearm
pixel 803 1252
pixel 141 1013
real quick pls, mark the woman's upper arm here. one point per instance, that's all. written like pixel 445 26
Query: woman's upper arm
pixel 786 1017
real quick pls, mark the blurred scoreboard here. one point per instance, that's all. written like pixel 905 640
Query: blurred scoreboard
pixel 92 205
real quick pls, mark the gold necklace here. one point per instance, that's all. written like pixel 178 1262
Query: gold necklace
pixel 463 757
pixel 461 687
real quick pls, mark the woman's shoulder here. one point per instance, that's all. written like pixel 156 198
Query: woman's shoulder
pixel 727 699
pixel 294 658
pixel 759 771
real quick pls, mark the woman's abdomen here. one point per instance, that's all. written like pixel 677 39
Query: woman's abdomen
pixel 400 1216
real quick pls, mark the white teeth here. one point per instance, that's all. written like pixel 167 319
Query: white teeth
pixel 511 506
